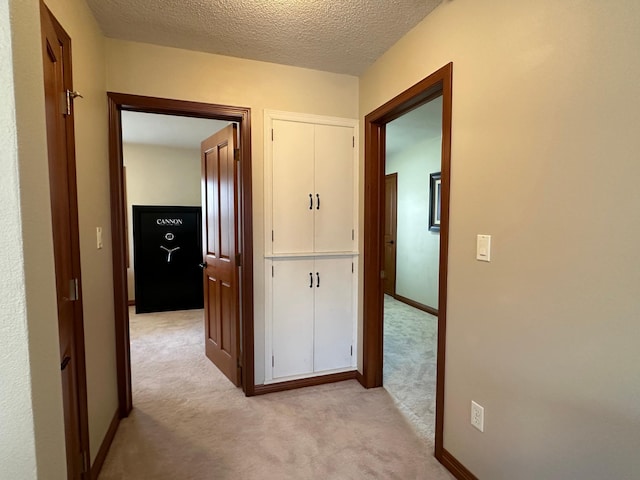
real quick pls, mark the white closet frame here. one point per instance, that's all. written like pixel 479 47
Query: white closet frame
pixel 269 117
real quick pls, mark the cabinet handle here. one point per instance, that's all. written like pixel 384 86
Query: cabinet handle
pixel 318 205
pixel 310 202
pixel 318 280
pixel 310 280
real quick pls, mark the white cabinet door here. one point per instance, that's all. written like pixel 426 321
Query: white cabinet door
pixel 333 323
pixel 334 184
pixel 292 336
pixel 293 190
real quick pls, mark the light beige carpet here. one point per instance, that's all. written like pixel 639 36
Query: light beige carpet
pixel 409 373
pixel 189 422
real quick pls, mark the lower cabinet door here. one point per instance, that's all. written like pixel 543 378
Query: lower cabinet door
pixel 292 331
pixel 333 322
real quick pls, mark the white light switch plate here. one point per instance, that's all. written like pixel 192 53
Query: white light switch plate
pixel 483 248
pixel 99 237
pixel 477 416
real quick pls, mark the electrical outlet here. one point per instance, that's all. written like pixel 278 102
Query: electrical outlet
pixel 477 416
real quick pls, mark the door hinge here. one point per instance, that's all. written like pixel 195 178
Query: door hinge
pixel 352 350
pixel 273 361
pixel 353 234
pixel 86 464
pixel 73 289
pixel 69 96
pixel 272 134
pixel 236 154
pixel 273 272
pixel 354 141
pixel 238 260
pixel 67 103
pixel 352 267
pixel 382 274
pixel 272 236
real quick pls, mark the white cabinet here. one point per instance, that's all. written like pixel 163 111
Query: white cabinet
pixel 293 299
pixel 334 229
pixel 293 213
pixel 313 187
pixel 333 326
pixel 310 245
pixel 312 316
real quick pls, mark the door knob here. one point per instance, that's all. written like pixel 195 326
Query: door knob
pixel 391 242
pixel 203 265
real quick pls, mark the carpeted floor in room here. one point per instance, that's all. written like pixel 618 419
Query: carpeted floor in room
pixel 409 365
pixel 190 422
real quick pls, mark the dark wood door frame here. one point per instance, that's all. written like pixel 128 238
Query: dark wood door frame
pixel 439 83
pixel 118 102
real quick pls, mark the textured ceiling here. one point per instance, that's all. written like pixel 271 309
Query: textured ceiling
pixel 342 36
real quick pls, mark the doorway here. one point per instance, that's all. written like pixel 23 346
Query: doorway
pixel 436 85
pixel 133 103
pixel 411 263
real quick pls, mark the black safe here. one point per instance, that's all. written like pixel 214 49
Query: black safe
pixel 167 245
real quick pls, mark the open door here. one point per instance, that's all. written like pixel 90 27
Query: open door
pixel 56 47
pixel 220 251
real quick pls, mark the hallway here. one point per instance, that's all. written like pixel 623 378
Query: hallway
pixel 189 422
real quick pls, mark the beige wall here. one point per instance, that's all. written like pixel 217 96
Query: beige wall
pixel 91 132
pixel 31 424
pixel 143 69
pixel 159 175
pixel 417 248
pixel 36 296
pixel 545 114
pixel 545 159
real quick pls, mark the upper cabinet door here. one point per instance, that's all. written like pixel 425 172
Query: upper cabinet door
pixel 293 192
pixel 310 184
pixel 334 188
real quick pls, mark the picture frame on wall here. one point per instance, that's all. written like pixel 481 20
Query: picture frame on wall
pixel 435 196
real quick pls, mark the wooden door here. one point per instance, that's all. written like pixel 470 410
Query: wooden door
pixel 390 224
pixel 64 218
pixel 221 252
pixel 292 331
pixel 333 313
pixel 293 192
pixel 334 184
